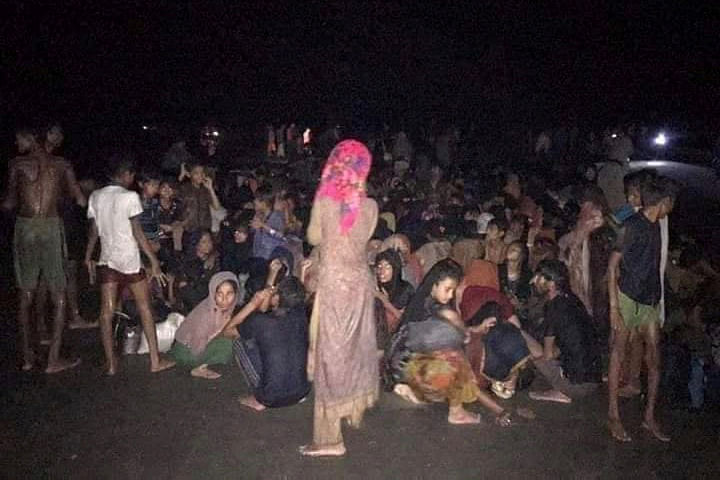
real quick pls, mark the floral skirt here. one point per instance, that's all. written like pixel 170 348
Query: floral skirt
pixel 443 375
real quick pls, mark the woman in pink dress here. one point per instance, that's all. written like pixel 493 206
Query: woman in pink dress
pixel 343 359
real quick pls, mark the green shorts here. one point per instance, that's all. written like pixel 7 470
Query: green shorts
pixel 39 249
pixel 636 314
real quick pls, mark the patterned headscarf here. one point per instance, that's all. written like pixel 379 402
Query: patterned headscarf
pixel 343 179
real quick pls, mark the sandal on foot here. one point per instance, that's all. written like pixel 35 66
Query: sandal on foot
pixel 504 419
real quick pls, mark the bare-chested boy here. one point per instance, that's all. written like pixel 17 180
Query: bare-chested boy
pixel 54 137
pixel 37 180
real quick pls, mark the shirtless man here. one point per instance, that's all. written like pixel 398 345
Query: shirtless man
pixel 54 138
pixel 37 180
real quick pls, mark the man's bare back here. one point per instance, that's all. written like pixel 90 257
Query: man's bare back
pixel 37 182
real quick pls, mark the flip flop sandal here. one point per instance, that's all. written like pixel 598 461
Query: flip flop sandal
pixel 504 419
pixel 500 391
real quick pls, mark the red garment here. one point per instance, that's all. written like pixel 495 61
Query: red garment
pixel 482 273
pixel 475 297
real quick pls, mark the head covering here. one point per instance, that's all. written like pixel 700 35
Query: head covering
pixel 474 298
pixel 417 309
pixel 432 253
pixel 482 273
pixel 343 179
pixel 465 251
pixel 393 258
pixel 206 320
pixel 395 242
pixel 483 221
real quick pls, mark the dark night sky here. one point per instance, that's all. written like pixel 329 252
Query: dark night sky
pixel 253 62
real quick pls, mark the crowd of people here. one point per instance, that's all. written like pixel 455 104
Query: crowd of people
pixel 411 268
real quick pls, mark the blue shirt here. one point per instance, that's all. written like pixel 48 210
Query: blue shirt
pixel 273 235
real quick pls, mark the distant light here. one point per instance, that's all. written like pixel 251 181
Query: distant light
pixel 145 127
pixel 660 140
pixel 614 135
pixel 215 133
pixel 655 163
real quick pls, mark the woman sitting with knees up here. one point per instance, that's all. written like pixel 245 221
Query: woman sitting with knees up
pixel 199 341
pixel 426 357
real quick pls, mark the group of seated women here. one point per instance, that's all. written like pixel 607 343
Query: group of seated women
pixel 452 317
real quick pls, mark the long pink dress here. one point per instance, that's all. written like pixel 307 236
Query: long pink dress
pixel 344 355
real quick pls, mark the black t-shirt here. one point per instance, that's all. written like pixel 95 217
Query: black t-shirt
pixel 639 242
pixel 282 340
pixel 567 320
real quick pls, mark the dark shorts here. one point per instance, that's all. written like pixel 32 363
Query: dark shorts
pixel 39 249
pixel 108 275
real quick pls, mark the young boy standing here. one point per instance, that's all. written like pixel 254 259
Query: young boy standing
pixel 635 291
pixel 114 213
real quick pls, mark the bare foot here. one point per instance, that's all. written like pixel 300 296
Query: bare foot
pixel 162 364
pixel 461 416
pixel 252 402
pixel 550 396
pixel 526 413
pixel 406 392
pixel 112 367
pixel 652 427
pixel 618 431
pixel 29 361
pixel 61 365
pixel 504 419
pixel 629 391
pixel 317 451
pixel 79 323
pixel 204 372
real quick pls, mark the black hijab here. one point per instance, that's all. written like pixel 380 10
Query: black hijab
pixel 420 306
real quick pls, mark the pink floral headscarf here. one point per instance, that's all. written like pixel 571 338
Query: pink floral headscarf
pixel 343 179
